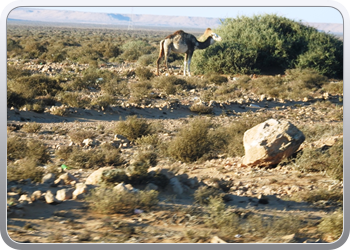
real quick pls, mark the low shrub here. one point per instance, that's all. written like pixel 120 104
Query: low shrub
pixel 112 176
pixel 332 224
pixel 204 194
pixel 170 84
pixel 32 86
pixel 192 141
pixel 108 201
pixel 80 158
pixel 216 78
pixel 31 127
pixel 78 136
pixel 319 160
pixel 26 168
pixel 143 73
pixel 18 148
pixel 151 139
pixel 133 128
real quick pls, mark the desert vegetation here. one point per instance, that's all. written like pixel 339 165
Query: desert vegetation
pixel 167 150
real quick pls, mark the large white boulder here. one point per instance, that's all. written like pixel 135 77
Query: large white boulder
pixel 269 142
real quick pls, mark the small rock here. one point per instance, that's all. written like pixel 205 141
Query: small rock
pixel 48 178
pixel 80 190
pixel 216 239
pixel 64 194
pixel 95 177
pixel 36 195
pixel 50 198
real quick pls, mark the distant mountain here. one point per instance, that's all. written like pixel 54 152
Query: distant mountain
pixel 61 16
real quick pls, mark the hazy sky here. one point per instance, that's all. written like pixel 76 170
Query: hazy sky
pixel 304 14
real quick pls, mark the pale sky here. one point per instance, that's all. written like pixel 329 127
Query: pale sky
pixel 304 14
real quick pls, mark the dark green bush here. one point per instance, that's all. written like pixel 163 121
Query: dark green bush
pixel 263 42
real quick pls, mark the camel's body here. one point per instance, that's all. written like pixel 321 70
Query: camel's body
pixel 182 42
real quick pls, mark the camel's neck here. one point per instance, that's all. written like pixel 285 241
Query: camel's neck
pixel 203 45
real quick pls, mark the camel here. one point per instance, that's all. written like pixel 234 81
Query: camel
pixel 182 42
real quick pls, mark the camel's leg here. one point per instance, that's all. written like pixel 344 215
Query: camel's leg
pixel 188 57
pixel 185 63
pixel 166 54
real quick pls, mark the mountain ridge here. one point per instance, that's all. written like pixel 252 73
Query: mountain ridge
pixel 63 16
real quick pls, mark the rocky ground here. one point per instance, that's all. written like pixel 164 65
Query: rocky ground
pixel 258 191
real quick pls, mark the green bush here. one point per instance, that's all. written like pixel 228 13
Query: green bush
pixel 133 50
pixel 80 158
pixel 204 194
pixel 261 42
pixel 112 176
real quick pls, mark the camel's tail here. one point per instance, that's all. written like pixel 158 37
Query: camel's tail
pixel 161 54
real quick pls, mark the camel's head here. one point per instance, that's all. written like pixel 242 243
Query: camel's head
pixel 216 37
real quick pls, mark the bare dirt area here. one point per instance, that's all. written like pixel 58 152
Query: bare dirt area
pixel 267 204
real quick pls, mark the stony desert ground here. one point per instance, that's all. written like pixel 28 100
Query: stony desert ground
pixel 264 200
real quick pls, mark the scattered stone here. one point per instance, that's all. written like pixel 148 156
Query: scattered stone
pixel 65 179
pixel 48 178
pixel 37 195
pixel 50 198
pixel 95 177
pixel 64 194
pixel 80 190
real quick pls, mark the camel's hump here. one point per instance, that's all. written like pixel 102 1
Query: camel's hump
pixel 178 32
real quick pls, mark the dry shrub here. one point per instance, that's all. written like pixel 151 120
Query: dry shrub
pixel 192 141
pixel 26 168
pixel 18 148
pixel 203 194
pixel 133 128
pixel 107 201
pixel 78 136
pixel 326 159
pixel 31 127
pixel 332 224
pixel 201 109
pixel 81 158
